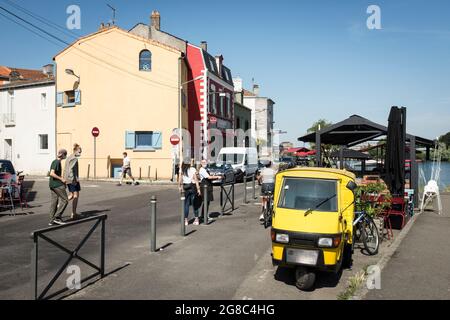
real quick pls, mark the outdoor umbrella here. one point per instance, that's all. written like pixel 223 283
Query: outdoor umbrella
pixel 395 151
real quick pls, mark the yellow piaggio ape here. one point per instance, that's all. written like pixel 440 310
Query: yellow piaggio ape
pixel 312 223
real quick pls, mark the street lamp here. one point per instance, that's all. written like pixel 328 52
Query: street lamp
pixel 71 73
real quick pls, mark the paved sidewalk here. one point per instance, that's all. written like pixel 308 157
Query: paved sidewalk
pixel 419 268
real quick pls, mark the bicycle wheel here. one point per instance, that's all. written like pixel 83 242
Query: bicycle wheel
pixel 370 236
pixel 268 217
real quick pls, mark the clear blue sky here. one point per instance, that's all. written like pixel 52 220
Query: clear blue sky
pixel 315 59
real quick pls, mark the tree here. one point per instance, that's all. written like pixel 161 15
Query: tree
pixel 321 123
pixel 445 139
pixel 327 149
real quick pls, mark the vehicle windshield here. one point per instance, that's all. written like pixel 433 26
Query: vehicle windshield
pixel 216 166
pixel 306 194
pixel 230 158
pixel 6 167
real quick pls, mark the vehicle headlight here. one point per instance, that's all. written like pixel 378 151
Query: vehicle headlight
pixel 329 242
pixel 325 242
pixel 283 238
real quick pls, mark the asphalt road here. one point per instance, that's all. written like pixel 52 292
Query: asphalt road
pixel 228 259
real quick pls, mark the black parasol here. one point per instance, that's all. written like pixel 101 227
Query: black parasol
pixel 395 151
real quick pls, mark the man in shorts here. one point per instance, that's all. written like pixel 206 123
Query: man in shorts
pixel 267 180
pixel 126 169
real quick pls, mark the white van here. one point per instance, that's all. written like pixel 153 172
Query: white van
pixel 243 160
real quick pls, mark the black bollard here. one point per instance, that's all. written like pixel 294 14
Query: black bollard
pixel 245 189
pixel 183 227
pixel 254 186
pixel 153 224
pixel 205 204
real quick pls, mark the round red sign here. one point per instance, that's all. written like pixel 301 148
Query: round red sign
pixel 95 132
pixel 213 120
pixel 174 140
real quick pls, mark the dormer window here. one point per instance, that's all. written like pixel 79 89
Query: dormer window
pixel 145 60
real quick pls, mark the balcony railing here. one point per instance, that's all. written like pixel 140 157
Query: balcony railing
pixel 9 119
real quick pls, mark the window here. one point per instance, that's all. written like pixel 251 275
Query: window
pixel 11 102
pixel 213 100
pixel 221 107
pixel 304 194
pixel 43 142
pixel 145 60
pixel 143 140
pixel 43 101
pixel 228 105
pixel 68 98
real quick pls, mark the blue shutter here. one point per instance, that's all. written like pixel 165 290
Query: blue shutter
pixel 130 140
pixel 157 140
pixel 59 98
pixel 77 97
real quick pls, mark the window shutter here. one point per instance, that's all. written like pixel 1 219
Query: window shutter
pixel 77 97
pixel 157 140
pixel 130 140
pixel 59 99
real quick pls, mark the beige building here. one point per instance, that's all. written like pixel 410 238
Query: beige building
pixel 128 87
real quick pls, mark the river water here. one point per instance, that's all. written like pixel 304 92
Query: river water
pixel 444 178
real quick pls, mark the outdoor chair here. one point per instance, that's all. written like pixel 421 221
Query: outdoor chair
pixel 397 210
pixel 6 193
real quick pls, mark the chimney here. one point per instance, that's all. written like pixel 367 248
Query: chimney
pixel 256 89
pixel 155 20
pixel 204 46
pixel 102 26
pixel 237 83
pixel 219 61
pixel 48 70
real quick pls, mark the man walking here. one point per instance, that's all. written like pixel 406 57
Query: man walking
pixel 57 186
pixel 126 169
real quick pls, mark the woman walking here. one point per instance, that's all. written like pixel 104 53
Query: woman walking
pixel 191 188
pixel 73 179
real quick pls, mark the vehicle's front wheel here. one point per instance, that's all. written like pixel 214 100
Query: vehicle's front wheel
pixel 304 278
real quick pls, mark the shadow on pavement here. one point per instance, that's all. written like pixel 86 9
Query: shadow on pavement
pixel 323 279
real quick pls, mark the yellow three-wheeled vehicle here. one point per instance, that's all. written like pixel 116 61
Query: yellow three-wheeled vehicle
pixel 312 223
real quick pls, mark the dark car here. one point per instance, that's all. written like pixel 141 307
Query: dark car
pixel 7 172
pixel 288 162
pixel 225 170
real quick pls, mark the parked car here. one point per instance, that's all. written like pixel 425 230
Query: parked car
pixel 7 172
pixel 243 160
pixel 224 169
pixel 288 162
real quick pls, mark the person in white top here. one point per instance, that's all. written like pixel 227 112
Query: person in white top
pixel 206 179
pixel 126 169
pixel 188 182
pixel 267 180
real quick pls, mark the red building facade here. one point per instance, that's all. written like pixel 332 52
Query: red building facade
pixel 210 99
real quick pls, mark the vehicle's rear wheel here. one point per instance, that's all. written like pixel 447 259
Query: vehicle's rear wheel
pixel 304 278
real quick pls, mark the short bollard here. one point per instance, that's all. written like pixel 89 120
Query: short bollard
pixel 183 227
pixel 254 186
pixel 205 205
pixel 153 224
pixel 245 189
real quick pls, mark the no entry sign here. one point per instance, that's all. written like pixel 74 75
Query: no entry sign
pixel 95 132
pixel 174 140
pixel 213 120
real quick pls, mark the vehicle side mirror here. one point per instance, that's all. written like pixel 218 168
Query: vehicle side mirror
pixel 351 185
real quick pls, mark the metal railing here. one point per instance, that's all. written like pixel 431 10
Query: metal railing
pixel 73 254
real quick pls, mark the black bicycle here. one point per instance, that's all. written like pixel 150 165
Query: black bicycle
pixel 365 231
pixel 267 209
